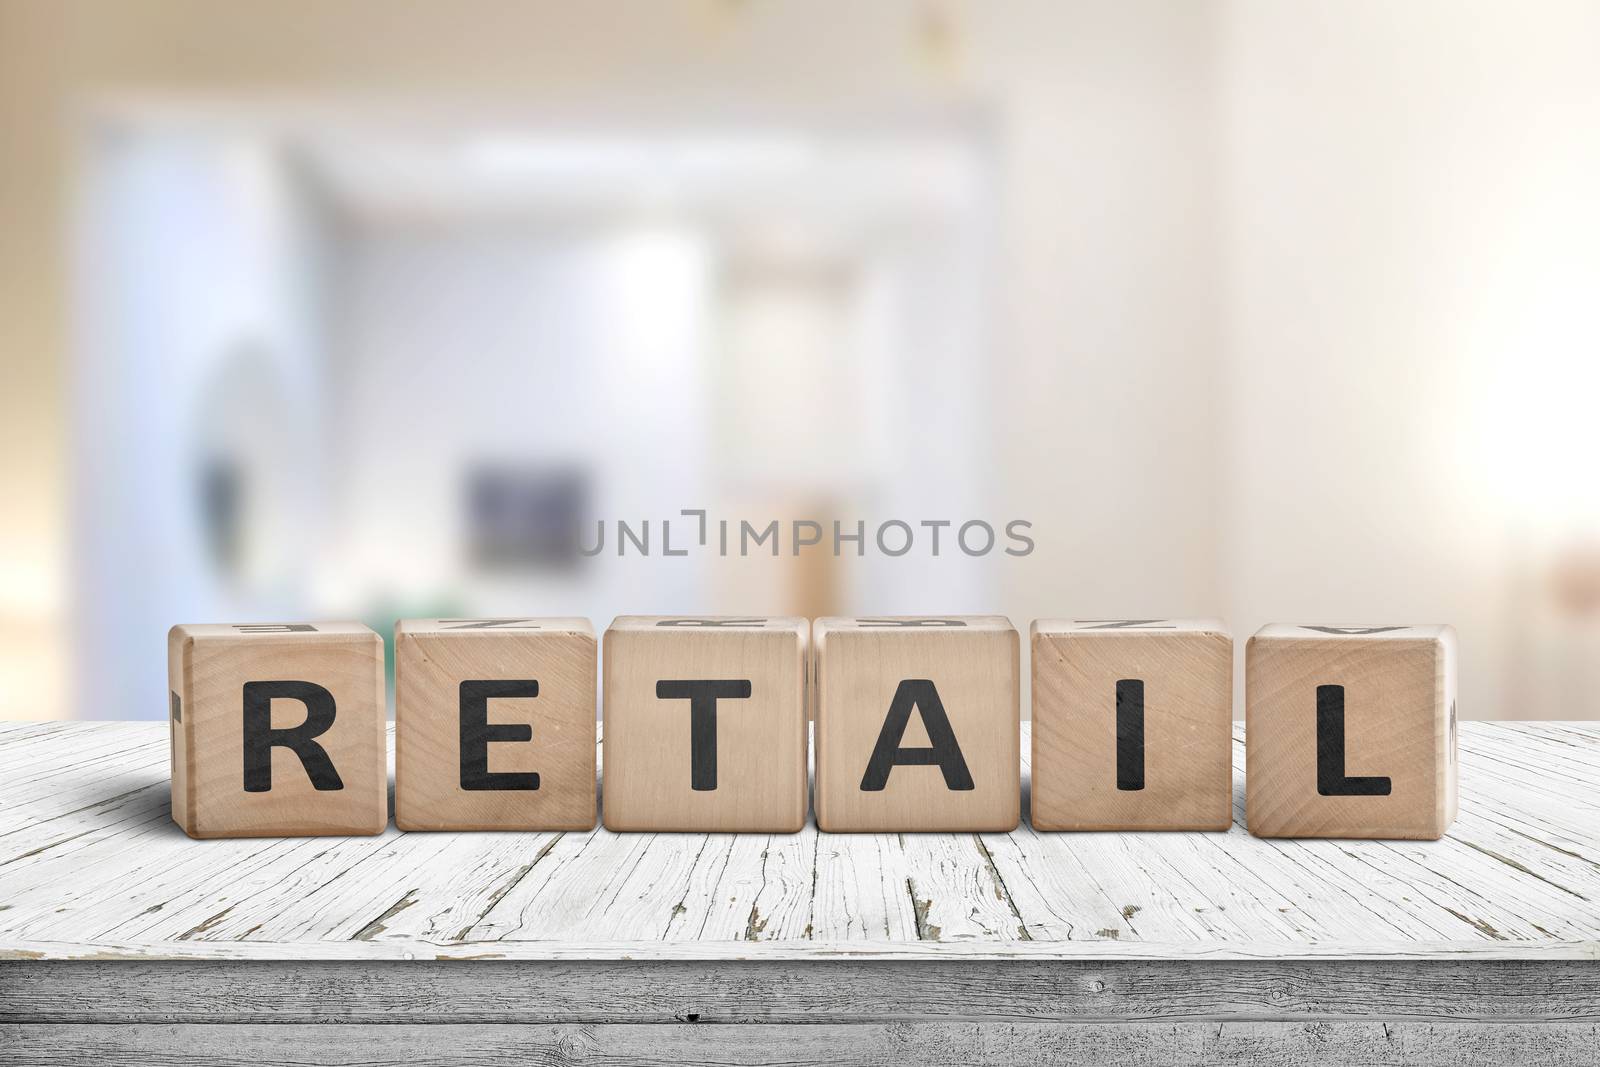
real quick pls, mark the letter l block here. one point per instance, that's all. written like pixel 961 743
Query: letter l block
pixel 277 729
pixel 1350 731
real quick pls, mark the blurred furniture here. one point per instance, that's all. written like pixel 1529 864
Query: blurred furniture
pixel 122 941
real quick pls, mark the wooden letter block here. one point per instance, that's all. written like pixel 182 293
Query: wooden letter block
pixel 277 730
pixel 1350 731
pixel 1132 725
pixel 917 724
pixel 705 724
pixel 494 724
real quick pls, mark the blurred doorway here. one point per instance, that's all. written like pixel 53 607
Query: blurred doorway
pixel 339 362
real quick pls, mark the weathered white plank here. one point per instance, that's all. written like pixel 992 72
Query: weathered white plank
pixel 116 812
pixel 1531 839
pixel 177 892
pixel 1529 761
pixel 641 904
pixel 783 905
pixel 125 870
pixel 955 891
pixel 1585 735
pixel 1056 897
pixel 749 886
pixel 579 881
pixel 93 865
pixel 445 900
pixel 25 728
pixel 376 884
pixel 862 889
pixel 66 785
pixel 381 949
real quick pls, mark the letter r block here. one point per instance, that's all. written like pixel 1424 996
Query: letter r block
pixel 917 724
pixel 705 724
pixel 1132 724
pixel 1350 731
pixel 494 724
pixel 277 729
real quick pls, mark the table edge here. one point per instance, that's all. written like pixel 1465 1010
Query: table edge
pixel 735 951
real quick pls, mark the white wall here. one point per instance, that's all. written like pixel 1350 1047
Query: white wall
pixel 596 345
pixel 456 347
pixel 196 269
pixel 1296 300
pixel 1105 350
pixel 1412 332
pixel 1109 406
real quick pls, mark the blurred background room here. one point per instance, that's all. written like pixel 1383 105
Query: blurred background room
pixel 1268 311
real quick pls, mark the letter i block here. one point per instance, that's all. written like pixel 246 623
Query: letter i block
pixel 705 724
pixel 1132 725
pixel 277 730
pixel 494 724
pixel 917 724
pixel 1350 731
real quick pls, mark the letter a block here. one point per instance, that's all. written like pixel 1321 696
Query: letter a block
pixel 494 724
pixel 1350 731
pixel 917 724
pixel 1132 725
pixel 277 730
pixel 705 724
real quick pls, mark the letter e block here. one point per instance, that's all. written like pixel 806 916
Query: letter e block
pixel 277 729
pixel 705 724
pixel 917 724
pixel 1350 731
pixel 1132 724
pixel 494 724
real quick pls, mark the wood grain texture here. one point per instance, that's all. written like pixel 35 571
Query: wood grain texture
pixel 1393 691
pixel 92 868
pixel 1177 775
pixel 433 659
pixel 865 668
pixel 788 991
pixel 751 772
pixel 211 671
pixel 957 1044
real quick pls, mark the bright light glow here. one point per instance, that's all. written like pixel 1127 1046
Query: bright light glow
pixel 1541 441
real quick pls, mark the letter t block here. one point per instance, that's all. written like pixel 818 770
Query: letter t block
pixel 1350 731
pixel 705 724
pixel 277 729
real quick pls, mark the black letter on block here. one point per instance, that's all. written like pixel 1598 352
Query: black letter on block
pixel 260 738
pixel 918 693
pixel 1331 780
pixel 702 697
pixel 477 732
pixel 912 624
pixel 711 623
pixel 1130 733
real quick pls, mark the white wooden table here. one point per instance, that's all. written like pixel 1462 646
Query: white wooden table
pixel 123 941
